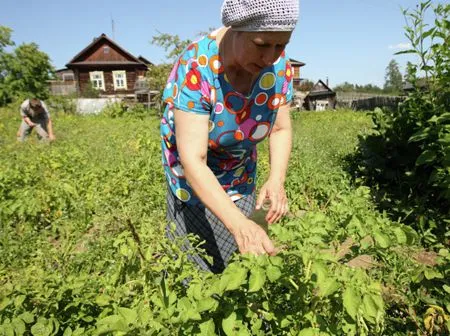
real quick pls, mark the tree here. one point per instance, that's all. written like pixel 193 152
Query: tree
pixel 344 87
pixel 5 41
pixel 371 88
pixel 172 44
pixel 393 78
pixel 5 37
pixel 24 72
pixel 157 74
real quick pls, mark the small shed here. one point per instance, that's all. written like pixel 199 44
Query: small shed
pixel 320 98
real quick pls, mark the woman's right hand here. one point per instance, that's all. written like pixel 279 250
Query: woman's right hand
pixel 251 238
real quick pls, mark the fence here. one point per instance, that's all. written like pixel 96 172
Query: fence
pixel 366 101
pixel 61 88
pixel 372 103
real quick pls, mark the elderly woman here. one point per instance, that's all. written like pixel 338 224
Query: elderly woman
pixel 226 93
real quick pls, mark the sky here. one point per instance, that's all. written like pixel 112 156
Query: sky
pixel 346 40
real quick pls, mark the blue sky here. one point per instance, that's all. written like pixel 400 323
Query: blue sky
pixel 346 40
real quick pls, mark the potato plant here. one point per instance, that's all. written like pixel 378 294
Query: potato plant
pixel 82 248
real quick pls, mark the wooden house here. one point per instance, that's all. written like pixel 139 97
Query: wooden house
pixel 296 65
pixel 320 98
pixel 107 67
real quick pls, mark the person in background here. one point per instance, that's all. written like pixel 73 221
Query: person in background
pixel 226 93
pixel 35 115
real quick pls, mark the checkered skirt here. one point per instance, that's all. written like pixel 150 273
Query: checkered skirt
pixel 197 219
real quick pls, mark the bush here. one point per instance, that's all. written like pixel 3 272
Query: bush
pixel 90 92
pixel 408 155
pixel 122 109
pixel 138 111
pixel 65 104
pixel 114 110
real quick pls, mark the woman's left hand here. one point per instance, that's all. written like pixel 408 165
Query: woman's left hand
pixel 274 191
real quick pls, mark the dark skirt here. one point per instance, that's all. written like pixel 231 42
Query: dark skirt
pixel 219 243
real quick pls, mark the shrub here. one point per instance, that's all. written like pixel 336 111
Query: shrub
pixel 408 155
pixel 65 104
pixel 114 110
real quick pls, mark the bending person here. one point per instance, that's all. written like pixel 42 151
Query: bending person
pixel 226 93
pixel 35 115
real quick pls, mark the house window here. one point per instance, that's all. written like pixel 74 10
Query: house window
pixel 120 80
pixel 106 49
pixel 97 80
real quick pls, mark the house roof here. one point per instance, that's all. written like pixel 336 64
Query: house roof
pixel 321 93
pixel 144 60
pixel 295 62
pixel 106 63
pixel 321 89
pixel 63 70
pixel 320 86
pixel 97 41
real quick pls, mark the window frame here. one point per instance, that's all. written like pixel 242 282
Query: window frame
pixel 124 79
pixel 92 75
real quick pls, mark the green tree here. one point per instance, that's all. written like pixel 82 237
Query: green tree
pixel 5 37
pixel 24 72
pixel 393 78
pixel 349 87
pixel 173 45
pixel 157 75
pixel 344 87
pixel 5 41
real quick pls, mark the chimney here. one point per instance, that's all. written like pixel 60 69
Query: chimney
pixel 327 81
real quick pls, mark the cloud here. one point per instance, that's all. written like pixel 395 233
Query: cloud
pixel 403 45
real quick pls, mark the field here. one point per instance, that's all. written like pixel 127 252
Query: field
pixel 82 249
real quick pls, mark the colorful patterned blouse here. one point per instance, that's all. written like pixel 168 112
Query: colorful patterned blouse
pixel 198 84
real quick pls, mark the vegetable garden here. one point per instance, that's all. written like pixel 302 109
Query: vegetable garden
pixel 83 253
pixel 364 250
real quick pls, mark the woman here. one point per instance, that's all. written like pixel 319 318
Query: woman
pixel 227 92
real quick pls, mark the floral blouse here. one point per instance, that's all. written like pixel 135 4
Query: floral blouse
pixel 198 84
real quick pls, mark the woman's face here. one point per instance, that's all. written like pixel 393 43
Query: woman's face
pixel 257 50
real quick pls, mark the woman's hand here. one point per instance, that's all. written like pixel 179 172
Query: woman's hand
pixel 274 191
pixel 251 238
